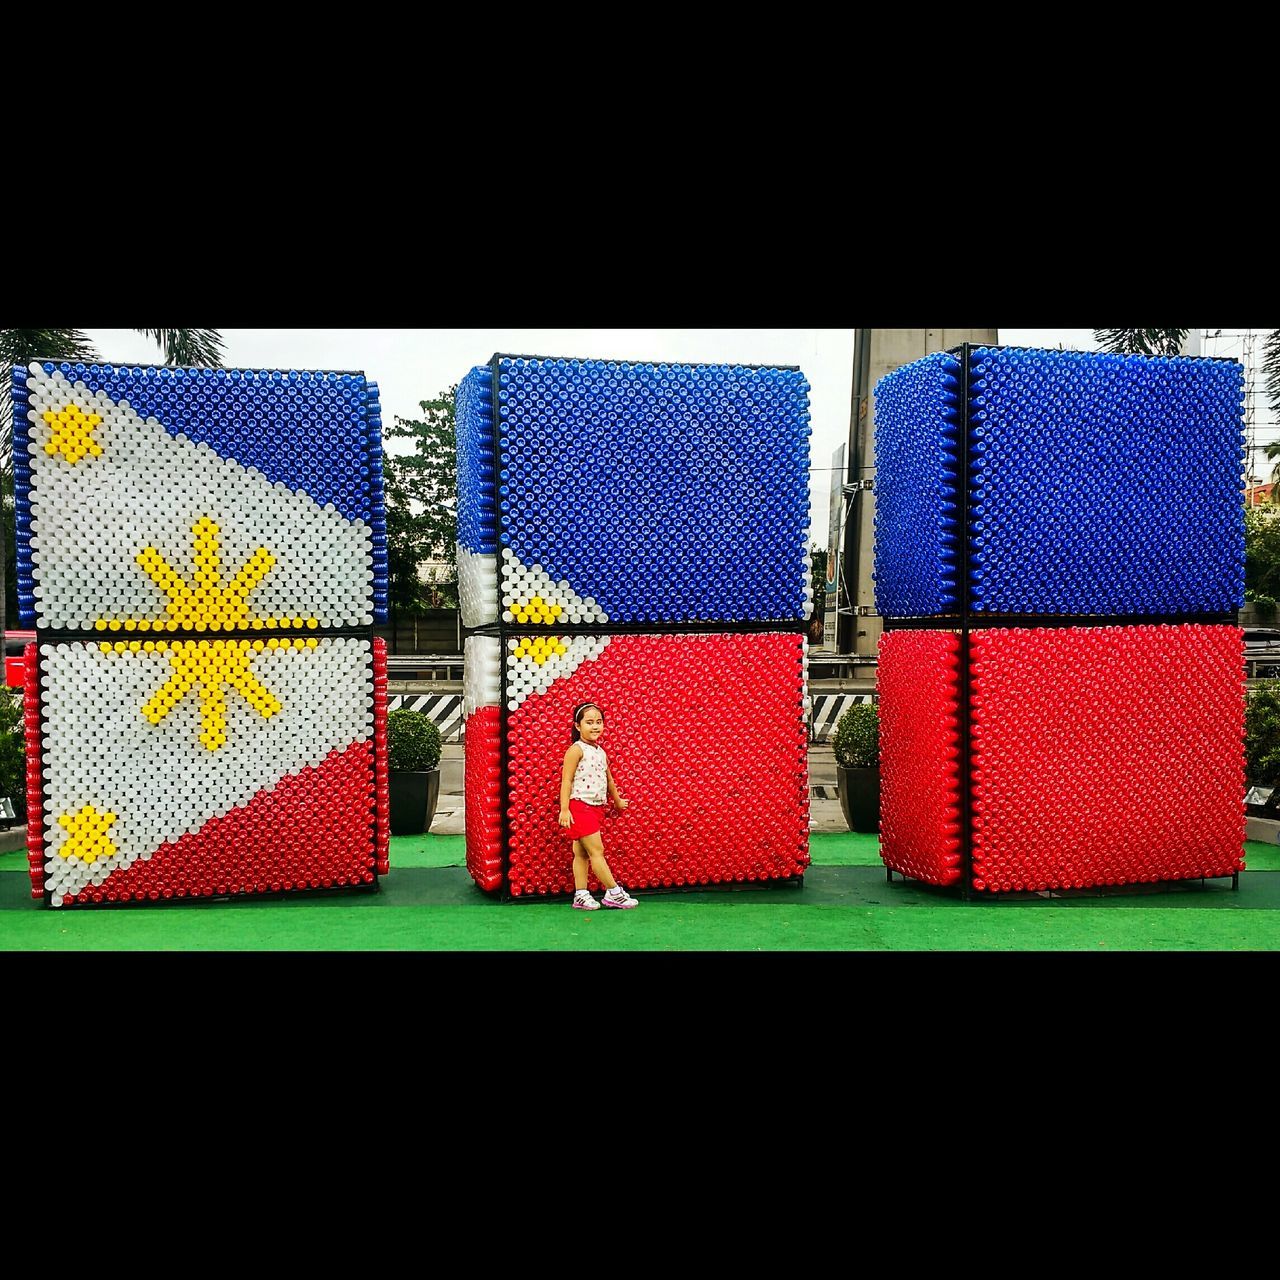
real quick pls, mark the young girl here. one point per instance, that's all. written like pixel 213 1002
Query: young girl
pixel 585 784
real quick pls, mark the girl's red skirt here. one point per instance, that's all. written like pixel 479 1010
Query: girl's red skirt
pixel 586 819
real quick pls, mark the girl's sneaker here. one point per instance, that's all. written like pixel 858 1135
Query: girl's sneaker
pixel 583 901
pixel 619 897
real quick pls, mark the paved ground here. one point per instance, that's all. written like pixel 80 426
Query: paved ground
pixel 824 811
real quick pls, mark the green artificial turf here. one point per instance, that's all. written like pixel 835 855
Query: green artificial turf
pixel 429 903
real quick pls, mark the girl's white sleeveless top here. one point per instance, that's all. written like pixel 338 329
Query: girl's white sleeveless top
pixel 589 782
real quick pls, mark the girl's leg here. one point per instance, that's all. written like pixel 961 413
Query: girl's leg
pixel 581 867
pixel 594 847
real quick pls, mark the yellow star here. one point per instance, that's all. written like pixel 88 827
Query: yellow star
pixel 536 610
pixel 88 839
pixel 206 604
pixel 72 433
pixel 540 648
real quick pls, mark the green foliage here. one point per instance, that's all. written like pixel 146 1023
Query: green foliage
pixel 422 505
pixel 818 577
pixel 10 549
pixel 1271 368
pixel 406 591
pixel 1264 606
pixel 1262 734
pixel 857 737
pixel 17 346
pixel 1262 551
pixel 188 346
pixel 13 760
pixel 1142 342
pixel 413 742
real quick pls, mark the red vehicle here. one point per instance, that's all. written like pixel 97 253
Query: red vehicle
pixel 14 643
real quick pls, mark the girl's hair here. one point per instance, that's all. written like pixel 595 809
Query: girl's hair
pixel 581 710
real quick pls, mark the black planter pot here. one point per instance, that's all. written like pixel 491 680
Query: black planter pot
pixel 413 801
pixel 860 798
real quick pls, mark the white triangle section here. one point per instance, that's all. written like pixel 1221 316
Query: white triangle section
pixel 560 657
pixel 528 590
pixel 91 518
pixel 481 673
pixel 159 779
pixel 477 587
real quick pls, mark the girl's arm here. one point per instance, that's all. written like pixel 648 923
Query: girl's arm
pixel 571 758
pixel 613 790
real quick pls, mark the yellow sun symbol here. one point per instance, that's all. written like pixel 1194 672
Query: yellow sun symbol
pixel 212 665
pixel 207 603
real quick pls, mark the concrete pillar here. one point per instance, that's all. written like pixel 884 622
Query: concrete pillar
pixel 875 353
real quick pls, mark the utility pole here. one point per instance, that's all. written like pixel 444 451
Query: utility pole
pixel 876 352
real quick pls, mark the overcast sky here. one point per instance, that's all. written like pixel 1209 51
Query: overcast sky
pixel 410 365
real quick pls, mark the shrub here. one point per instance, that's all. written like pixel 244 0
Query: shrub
pixel 13 757
pixel 413 742
pixel 1262 734
pixel 857 737
pixel 1264 606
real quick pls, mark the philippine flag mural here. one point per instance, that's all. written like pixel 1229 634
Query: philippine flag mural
pixel 203 767
pixel 198 499
pixel 192 546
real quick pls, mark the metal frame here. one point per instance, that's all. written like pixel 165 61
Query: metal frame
pixel 679 364
pixel 966 621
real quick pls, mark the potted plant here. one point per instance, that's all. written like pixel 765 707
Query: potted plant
pixel 1262 749
pixel 857 747
pixel 413 754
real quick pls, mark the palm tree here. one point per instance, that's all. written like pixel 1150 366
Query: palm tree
pixel 18 346
pixel 1142 342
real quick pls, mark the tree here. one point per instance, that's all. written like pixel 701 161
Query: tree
pixel 818 576
pixel 19 346
pixel 406 549
pixel 818 580
pixel 422 490
pixel 1262 558
pixel 1142 342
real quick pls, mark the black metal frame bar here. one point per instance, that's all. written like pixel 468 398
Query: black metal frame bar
pixel 679 364
pixel 1048 621
pixel 1054 351
pixel 963 690
pixel 499 630
pixel 59 361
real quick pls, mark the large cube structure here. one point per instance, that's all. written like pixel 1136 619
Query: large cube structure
pixel 636 535
pixel 203 555
pixel 1059 556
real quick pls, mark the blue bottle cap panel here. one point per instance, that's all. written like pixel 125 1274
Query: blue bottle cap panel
pixel 628 493
pixel 161 499
pixel 1099 484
